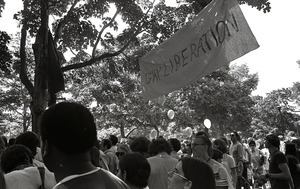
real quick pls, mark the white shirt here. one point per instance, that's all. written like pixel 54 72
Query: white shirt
pixel 28 178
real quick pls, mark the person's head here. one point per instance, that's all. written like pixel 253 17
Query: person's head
pixel 252 144
pixel 67 129
pixel 16 157
pixel 191 173
pixel 175 144
pixel 225 140
pixel 134 169
pixel 272 140
pixel 160 145
pixel 29 139
pixel 220 145
pixel 234 136
pixel 122 150
pixel 105 144
pixel 290 149
pixel 200 133
pixel 217 155
pixel 113 139
pixel 140 144
pixel 201 147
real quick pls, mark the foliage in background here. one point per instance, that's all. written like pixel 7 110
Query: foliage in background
pixel 103 71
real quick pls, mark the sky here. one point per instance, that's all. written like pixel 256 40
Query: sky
pixel 277 32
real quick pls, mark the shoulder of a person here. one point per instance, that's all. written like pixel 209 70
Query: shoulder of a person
pixel 26 171
pixel 111 180
pixel 279 153
pixel 109 153
pixel 218 166
pixel 229 158
pixel 24 178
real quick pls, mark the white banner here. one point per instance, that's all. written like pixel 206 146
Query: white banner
pixel 218 35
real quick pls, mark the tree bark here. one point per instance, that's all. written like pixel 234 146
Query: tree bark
pixel 40 49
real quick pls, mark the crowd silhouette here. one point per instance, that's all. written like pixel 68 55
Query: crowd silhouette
pixel 68 154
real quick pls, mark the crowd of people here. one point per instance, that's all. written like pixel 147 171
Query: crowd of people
pixel 68 154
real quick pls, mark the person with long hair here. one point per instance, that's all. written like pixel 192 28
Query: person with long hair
pixel 191 173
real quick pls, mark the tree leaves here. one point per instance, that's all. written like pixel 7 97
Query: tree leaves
pixel 5 55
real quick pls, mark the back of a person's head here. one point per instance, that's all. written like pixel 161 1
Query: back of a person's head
pixel 106 143
pixel 202 132
pixel 70 127
pixel 113 139
pixel 225 140
pixel 221 145
pixel 175 144
pixel 273 140
pixel 160 145
pixel 199 172
pixel 137 169
pixel 216 154
pixel 29 139
pixel 16 157
pixel 290 149
pixel 140 144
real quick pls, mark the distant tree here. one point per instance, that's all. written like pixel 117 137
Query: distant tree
pixel 224 97
pixel 5 56
pixel 14 98
pixel 275 111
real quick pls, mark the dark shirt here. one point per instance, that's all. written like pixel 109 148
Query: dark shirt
pixel 298 155
pixel 277 158
pixel 292 162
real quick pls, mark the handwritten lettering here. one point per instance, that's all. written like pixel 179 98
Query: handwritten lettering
pixel 212 38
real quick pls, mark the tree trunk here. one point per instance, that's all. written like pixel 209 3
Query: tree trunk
pixel 40 49
pixel 122 131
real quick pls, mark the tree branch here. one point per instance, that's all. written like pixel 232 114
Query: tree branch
pixel 63 22
pixel 107 55
pixel 23 74
pixel 102 30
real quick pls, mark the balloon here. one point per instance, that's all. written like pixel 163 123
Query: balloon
pixel 171 114
pixel 189 131
pixel 207 123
